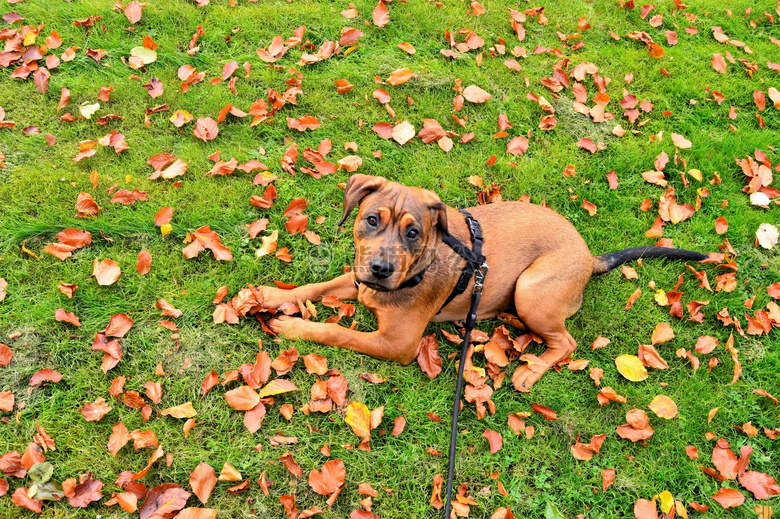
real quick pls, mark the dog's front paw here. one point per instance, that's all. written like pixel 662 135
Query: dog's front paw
pixel 272 298
pixel 287 326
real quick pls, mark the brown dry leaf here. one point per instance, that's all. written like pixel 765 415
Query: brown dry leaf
pixel 428 358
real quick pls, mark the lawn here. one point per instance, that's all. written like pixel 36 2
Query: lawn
pixel 726 111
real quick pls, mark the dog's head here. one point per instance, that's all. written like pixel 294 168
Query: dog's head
pixel 396 230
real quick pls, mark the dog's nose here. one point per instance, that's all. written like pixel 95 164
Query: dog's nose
pixel 381 269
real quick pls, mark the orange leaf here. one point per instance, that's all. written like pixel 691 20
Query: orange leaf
pixel 400 76
pixel 662 333
pixel 106 272
pixel 546 412
pixel 202 481
pixel 243 398
pixel 664 407
pixel 69 317
pixel 206 129
pixel 475 94
pixel 494 439
pixel 381 15
pixel 330 479
pixel 315 364
pixel 398 427
pixel 180 411
pixel 728 497
pixel 144 262
pixel 118 439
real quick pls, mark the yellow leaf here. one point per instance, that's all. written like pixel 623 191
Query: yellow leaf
pixel 359 418
pixel 660 298
pixel 29 38
pixel 695 173
pixel 276 387
pixel 667 501
pixel 146 55
pixel 631 367
pixel 663 407
pixel 166 229
pixel 128 178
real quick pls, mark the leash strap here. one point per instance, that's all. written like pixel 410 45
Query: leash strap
pixel 471 319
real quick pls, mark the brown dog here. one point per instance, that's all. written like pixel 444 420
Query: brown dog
pixel 538 263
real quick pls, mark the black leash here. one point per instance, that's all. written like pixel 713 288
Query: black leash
pixel 476 266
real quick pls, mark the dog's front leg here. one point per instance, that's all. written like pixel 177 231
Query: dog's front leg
pixel 342 287
pixel 397 339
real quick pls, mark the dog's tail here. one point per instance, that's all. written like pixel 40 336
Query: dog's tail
pixel 606 262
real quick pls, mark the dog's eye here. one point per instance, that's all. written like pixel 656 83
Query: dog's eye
pixel 412 234
pixel 372 221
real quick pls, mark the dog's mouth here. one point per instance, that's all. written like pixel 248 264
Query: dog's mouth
pixel 375 286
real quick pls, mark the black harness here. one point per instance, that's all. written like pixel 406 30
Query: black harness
pixel 476 265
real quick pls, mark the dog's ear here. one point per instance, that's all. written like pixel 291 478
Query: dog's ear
pixel 359 187
pixel 438 210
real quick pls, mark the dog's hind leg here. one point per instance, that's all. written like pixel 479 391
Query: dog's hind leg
pixel 546 294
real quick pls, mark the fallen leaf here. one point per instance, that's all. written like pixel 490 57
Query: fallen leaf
pixel 202 481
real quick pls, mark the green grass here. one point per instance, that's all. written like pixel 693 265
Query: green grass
pixel 39 188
